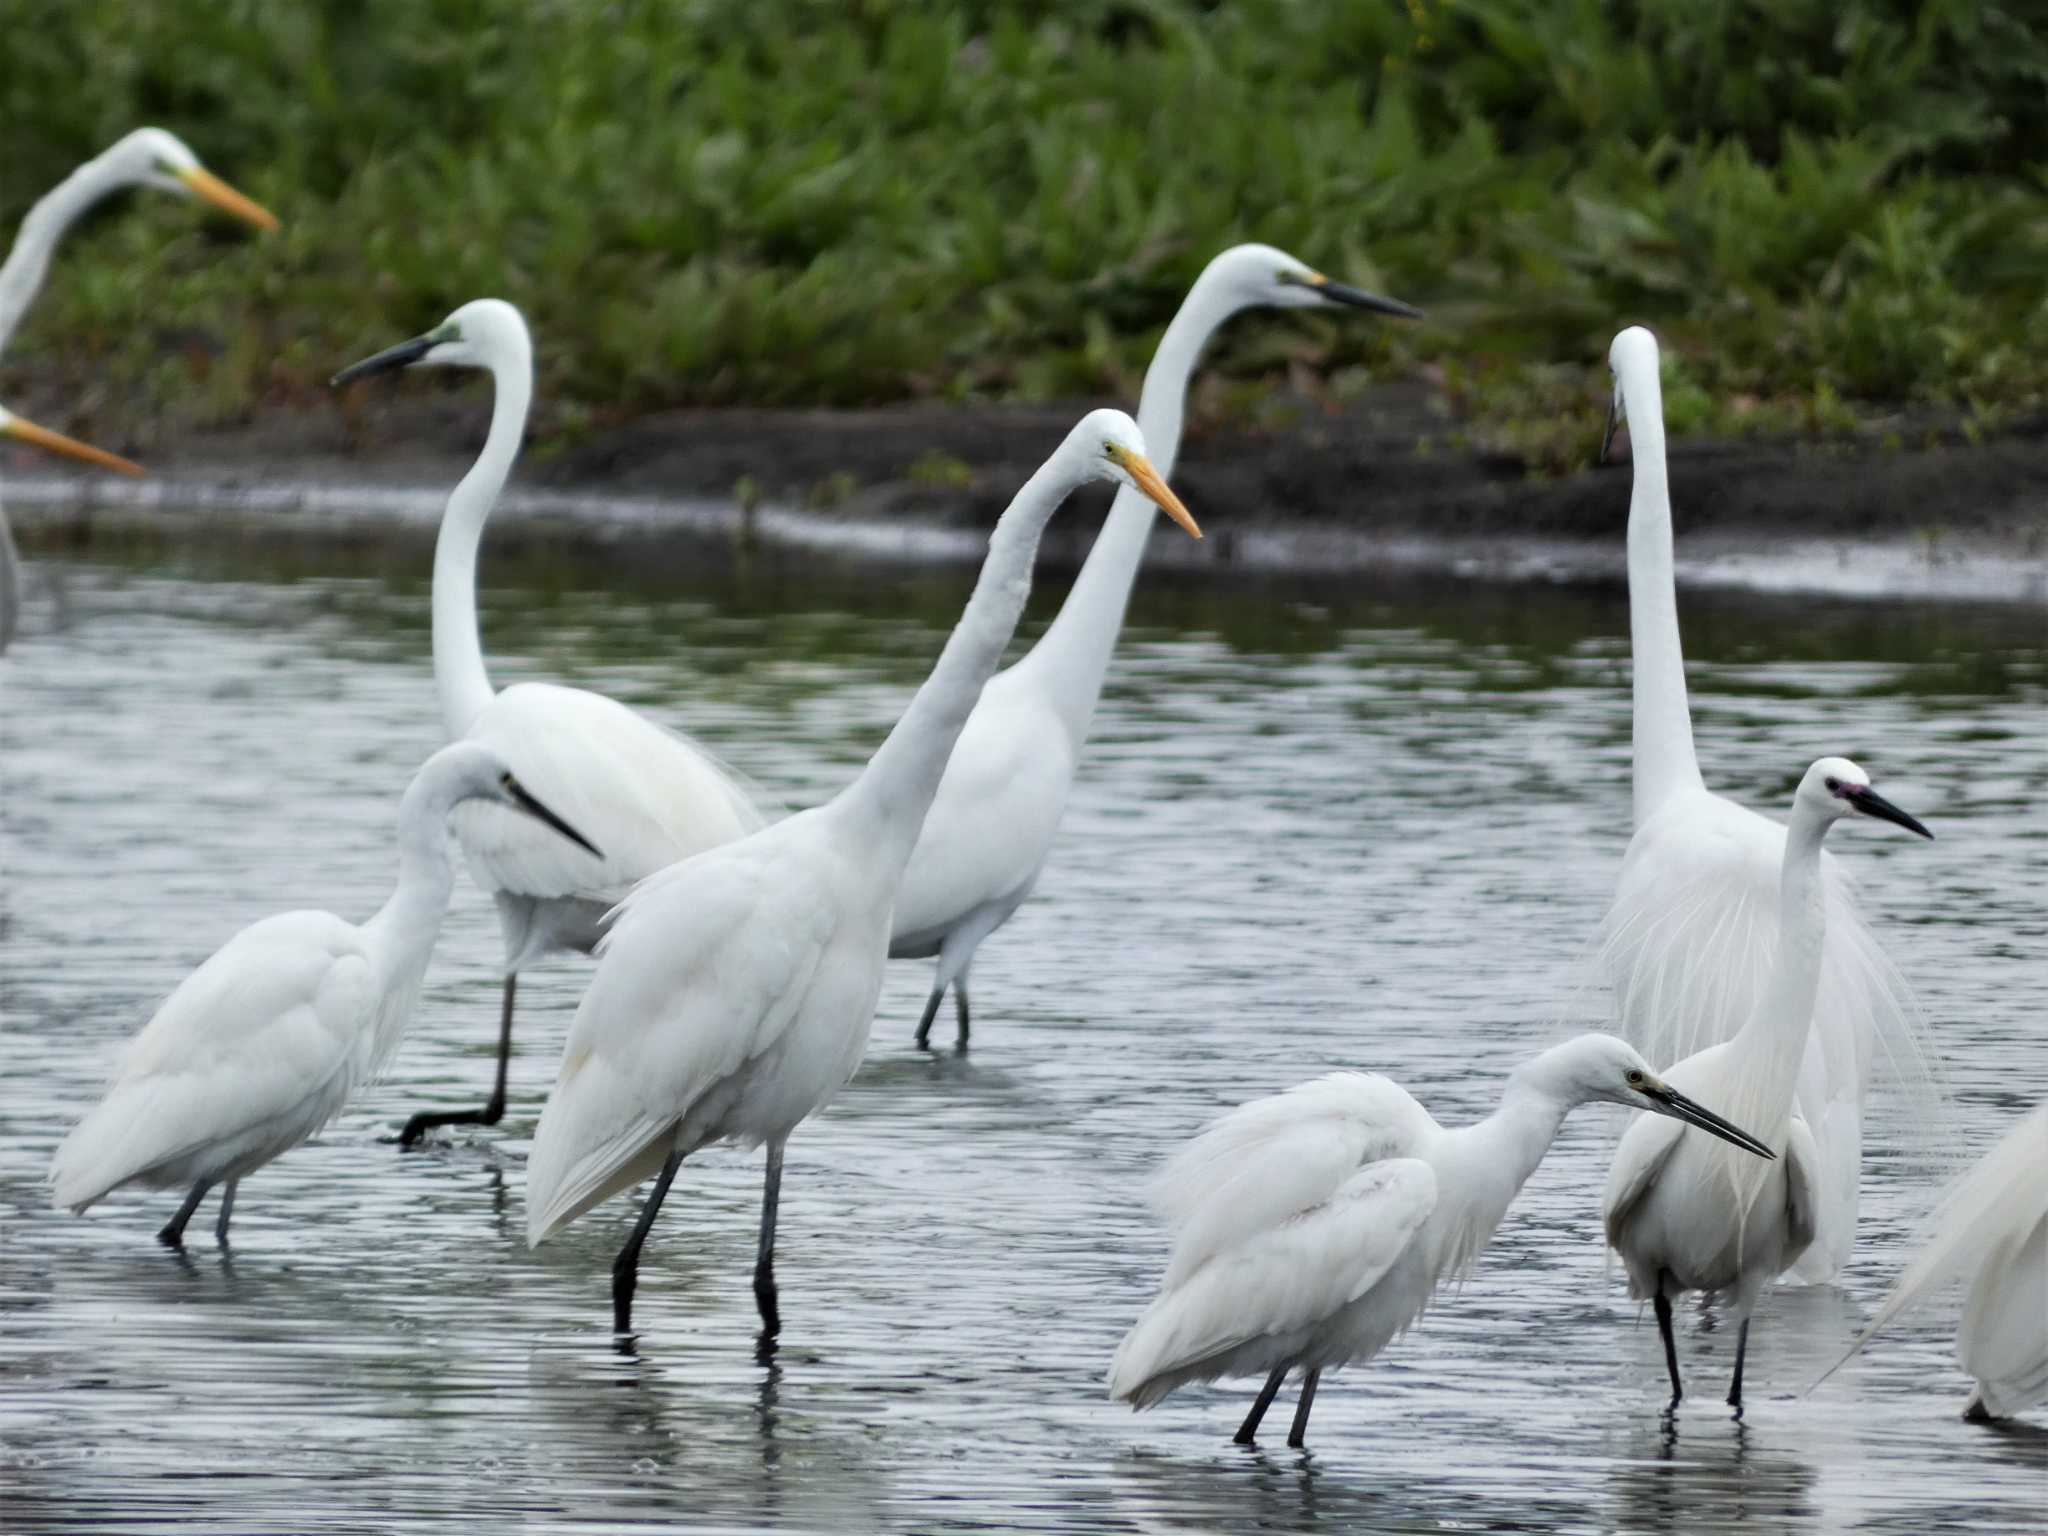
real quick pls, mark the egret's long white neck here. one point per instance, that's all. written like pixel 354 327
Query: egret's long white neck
pixel 897 787
pixel 1767 1051
pixel 1664 758
pixel 21 275
pixel 404 929
pixel 459 673
pixel 1072 658
pixel 1498 1154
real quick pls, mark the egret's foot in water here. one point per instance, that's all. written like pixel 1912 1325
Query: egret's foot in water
pixel 227 1207
pixel 492 1112
pixel 173 1233
pixel 1662 1305
pixel 1741 1350
pixel 1308 1398
pixel 1248 1431
pixel 931 1011
pixel 960 1013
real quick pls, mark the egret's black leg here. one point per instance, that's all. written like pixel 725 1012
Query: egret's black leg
pixel 1308 1399
pixel 764 1261
pixel 960 1009
pixel 227 1206
pixel 1663 1305
pixel 1741 1349
pixel 1974 1411
pixel 492 1112
pixel 626 1267
pixel 1248 1431
pixel 931 1011
pixel 173 1234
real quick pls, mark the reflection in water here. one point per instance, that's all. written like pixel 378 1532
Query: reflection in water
pixel 1287 853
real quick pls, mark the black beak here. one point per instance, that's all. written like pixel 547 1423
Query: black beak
pixel 539 812
pixel 1871 803
pixel 404 355
pixel 1358 298
pixel 1607 437
pixel 1679 1107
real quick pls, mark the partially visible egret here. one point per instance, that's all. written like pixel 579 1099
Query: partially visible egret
pixel 646 795
pixel 998 810
pixel 1991 1230
pixel 735 991
pixel 262 1045
pixel 1689 940
pixel 1683 1214
pixel 1312 1228
pixel 146 157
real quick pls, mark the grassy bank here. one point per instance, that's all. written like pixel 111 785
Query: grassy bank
pixel 1833 210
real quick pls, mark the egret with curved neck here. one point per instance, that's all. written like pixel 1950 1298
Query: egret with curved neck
pixel 736 990
pixel 646 795
pixel 1688 943
pixel 992 826
pixel 1683 1215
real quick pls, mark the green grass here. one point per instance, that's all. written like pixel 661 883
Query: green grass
pixel 1833 210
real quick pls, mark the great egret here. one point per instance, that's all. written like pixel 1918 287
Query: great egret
pixel 1311 1228
pixel 1992 1229
pixel 263 1044
pixel 647 796
pixel 1683 1214
pixel 146 157
pixel 992 826
pixel 1689 940
pixel 735 991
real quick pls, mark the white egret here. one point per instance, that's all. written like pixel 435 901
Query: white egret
pixel 735 991
pixel 1991 1229
pixel 262 1045
pixel 647 796
pixel 146 157
pixel 1684 1215
pixel 992 826
pixel 1688 942
pixel 1313 1227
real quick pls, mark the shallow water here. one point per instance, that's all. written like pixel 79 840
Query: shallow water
pixel 1319 827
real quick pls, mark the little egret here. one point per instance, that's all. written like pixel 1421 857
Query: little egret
pixel 1688 942
pixel 262 1045
pixel 1312 1228
pixel 992 826
pixel 1684 1215
pixel 1992 1229
pixel 647 796
pixel 735 991
pixel 146 157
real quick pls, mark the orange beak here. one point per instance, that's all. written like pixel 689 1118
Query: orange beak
pixel 1154 485
pixel 57 442
pixel 204 184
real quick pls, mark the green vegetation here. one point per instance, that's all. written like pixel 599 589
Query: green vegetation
pixel 1831 209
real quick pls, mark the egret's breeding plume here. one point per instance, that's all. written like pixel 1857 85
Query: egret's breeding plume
pixel 1991 1233
pixel 998 809
pixel 1683 1214
pixel 146 157
pixel 735 991
pixel 264 1043
pixel 647 796
pixel 1689 942
pixel 1311 1228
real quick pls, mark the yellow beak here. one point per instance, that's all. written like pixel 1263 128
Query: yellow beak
pixel 57 442
pixel 1154 485
pixel 206 185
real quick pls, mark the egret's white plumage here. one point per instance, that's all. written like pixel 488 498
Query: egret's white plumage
pixel 992 826
pixel 1991 1231
pixel 264 1043
pixel 1683 1214
pixel 1690 939
pixel 1313 1227
pixel 146 157
pixel 645 795
pixel 734 991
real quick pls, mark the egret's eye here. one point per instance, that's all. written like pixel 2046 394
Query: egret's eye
pixel 505 779
pixel 1834 786
pixel 1635 1079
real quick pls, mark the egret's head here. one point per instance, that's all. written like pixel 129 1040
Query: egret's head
pixel 1633 356
pixel 15 427
pixel 484 333
pixel 150 157
pixel 1263 275
pixel 1113 448
pixel 1602 1067
pixel 1835 787
pixel 467 770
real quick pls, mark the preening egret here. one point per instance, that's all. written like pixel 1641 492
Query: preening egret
pixel 1683 1214
pixel 146 157
pixel 647 797
pixel 1311 1228
pixel 1992 1230
pixel 992 826
pixel 735 991
pixel 1689 939
pixel 263 1044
